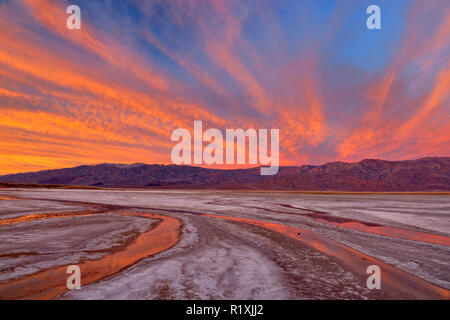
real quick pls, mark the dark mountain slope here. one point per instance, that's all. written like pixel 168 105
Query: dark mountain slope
pixel 427 174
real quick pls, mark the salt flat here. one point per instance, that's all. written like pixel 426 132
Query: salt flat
pixel 220 259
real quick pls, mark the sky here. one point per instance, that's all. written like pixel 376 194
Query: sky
pixel 115 90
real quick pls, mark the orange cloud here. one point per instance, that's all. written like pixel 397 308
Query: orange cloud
pixel 88 96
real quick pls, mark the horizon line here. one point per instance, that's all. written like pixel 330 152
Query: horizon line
pixel 210 167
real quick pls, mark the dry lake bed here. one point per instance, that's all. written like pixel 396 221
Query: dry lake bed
pixel 208 244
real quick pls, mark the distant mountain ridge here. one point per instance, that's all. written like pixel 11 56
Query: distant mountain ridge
pixel 426 174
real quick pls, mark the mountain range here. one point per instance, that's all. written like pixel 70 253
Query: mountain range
pixel 425 174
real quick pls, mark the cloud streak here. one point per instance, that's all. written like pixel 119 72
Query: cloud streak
pixel 115 90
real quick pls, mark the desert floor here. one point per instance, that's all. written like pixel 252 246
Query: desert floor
pixel 173 244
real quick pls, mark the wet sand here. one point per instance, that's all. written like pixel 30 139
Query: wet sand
pixel 51 283
pixel 356 260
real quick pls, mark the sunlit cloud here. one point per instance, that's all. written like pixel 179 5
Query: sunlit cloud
pixel 116 89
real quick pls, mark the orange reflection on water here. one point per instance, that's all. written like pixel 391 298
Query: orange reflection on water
pixel 3 197
pixel 50 283
pixel 43 216
pixel 392 232
pixel 354 259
